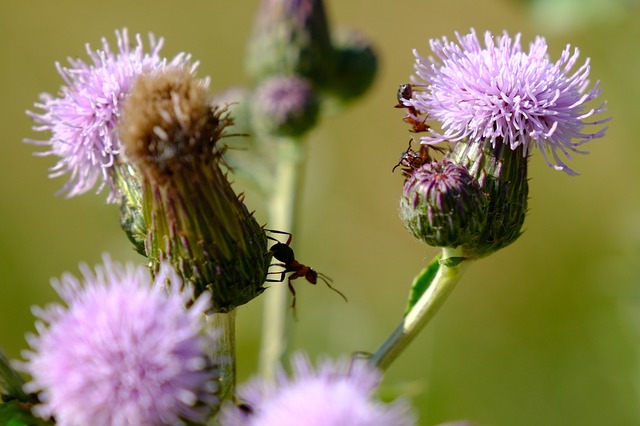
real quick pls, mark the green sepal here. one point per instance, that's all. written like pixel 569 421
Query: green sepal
pixel 502 174
pixel 422 281
pixel 452 262
pixel 16 413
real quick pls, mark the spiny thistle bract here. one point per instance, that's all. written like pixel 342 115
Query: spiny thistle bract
pixel 494 104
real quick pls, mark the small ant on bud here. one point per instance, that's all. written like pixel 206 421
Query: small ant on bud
pixel 405 92
pixel 411 160
pixel 284 253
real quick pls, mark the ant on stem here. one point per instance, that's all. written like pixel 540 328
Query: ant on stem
pixel 284 253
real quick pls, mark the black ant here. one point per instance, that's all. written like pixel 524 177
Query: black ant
pixel 284 253
pixel 405 93
pixel 411 160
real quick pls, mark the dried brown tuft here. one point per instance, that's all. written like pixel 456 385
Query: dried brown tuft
pixel 168 122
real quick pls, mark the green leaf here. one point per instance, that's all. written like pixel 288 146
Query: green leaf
pixel 15 413
pixel 10 381
pixel 422 281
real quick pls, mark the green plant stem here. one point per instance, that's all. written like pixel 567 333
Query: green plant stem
pixel 282 209
pixel 223 351
pixel 422 310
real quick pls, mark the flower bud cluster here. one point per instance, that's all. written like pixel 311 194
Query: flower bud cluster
pixel 494 104
pixel 475 198
pixel 298 64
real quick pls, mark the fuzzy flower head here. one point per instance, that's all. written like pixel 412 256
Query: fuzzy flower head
pixel 83 117
pixel 126 350
pixel 335 394
pixel 502 94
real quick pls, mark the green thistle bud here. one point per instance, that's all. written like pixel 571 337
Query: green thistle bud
pixel 502 175
pixel 443 205
pixel 284 106
pixel 356 66
pixel 194 218
pixel 291 37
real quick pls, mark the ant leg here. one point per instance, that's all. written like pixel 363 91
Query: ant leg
pixel 280 232
pixel 293 293
pixel 293 302
pixel 282 275
pixel 326 280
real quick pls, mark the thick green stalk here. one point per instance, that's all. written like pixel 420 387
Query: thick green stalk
pixel 223 352
pixel 282 213
pixel 449 272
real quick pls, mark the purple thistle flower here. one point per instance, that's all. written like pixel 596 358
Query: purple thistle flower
pixel 334 394
pixel 126 351
pixel 502 94
pixel 82 119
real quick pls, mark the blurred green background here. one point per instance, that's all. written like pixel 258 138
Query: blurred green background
pixel 544 332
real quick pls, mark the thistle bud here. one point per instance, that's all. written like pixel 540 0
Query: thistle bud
pixel 291 37
pixel 502 175
pixel 194 218
pixel 284 106
pixel 356 66
pixel 443 205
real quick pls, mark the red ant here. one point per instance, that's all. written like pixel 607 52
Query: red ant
pixel 418 124
pixel 284 253
pixel 411 160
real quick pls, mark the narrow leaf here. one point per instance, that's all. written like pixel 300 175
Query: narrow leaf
pixel 422 281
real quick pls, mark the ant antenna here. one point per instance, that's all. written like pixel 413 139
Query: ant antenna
pixel 328 280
